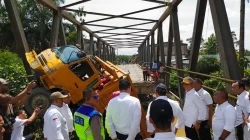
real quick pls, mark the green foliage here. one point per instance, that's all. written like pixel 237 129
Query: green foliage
pixel 71 38
pixel 210 47
pixel 125 58
pixel 247 53
pixel 173 82
pixel 208 65
pixel 12 69
pixel 214 83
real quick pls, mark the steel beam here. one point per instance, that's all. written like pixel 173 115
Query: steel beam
pixel 113 16
pixel 153 47
pixel 103 32
pixel 75 3
pixel 178 54
pixel 82 42
pixel 157 1
pixel 98 48
pixel 18 31
pixel 55 29
pixel 123 15
pixel 103 51
pixel 169 52
pixel 158 43
pixel 148 51
pixel 79 36
pixel 128 38
pixel 166 13
pixel 224 40
pixel 197 34
pixel 91 43
pixel 62 37
pixel 93 49
pixel 161 45
pixel 114 27
pixel 123 34
pixel 49 4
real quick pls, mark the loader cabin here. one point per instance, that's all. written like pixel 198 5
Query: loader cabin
pixel 65 67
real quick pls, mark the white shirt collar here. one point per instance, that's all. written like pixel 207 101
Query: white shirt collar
pixel 124 94
pixel 223 104
pixel 190 91
pixel 165 135
pixel 162 97
pixel 243 94
pixel 200 90
pixel 54 106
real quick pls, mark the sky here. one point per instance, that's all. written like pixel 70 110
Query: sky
pixel 186 16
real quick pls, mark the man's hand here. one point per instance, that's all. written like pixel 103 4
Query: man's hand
pixel 196 126
pixel 37 110
pixel 31 85
pixel 209 123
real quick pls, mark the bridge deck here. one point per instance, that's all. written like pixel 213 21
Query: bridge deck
pixel 135 72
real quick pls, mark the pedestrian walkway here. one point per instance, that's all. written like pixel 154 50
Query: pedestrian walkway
pixel 135 72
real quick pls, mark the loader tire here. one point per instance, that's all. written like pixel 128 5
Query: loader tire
pixel 38 97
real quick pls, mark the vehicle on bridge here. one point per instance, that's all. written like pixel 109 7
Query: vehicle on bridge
pixel 68 68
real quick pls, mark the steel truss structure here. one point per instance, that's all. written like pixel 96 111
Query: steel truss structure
pixel 146 44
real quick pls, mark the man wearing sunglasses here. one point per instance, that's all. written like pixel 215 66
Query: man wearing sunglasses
pixel 87 120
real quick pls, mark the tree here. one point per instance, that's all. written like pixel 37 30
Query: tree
pixel 208 65
pixel 12 69
pixel 235 40
pixel 211 47
pixel 189 40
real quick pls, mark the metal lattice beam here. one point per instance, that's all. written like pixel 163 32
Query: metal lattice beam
pixel 75 3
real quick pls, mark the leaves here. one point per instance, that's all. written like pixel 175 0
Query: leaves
pixel 11 67
pixel 211 47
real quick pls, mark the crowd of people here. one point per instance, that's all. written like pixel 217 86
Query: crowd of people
pixel 123 114
pixel 153 71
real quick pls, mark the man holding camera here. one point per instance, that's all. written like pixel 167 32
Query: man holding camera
pixel 6 101
pixel 21 120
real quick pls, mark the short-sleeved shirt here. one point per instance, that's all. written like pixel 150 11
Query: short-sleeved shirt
pixel 18 126
pixel 206 99
pixel 4 99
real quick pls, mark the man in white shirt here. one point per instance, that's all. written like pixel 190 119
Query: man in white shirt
pixel 21 120
pixel 204 131
pixel 161 116
pixel 160 92
pixel 124 114
pixel 55 126
pixel 224 117
pixel 242 106
pixel 66 112
pixel 194 110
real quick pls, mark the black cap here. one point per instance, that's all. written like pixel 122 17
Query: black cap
pixel 161 110
pixel 161 88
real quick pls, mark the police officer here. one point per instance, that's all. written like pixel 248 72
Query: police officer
pixel 88 121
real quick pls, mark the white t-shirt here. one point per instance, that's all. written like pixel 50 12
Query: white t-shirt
pixel 18 126
pixel 67 114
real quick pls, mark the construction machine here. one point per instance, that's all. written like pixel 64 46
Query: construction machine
pixel 69 68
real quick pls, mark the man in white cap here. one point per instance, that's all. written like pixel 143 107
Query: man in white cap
pixel 55 126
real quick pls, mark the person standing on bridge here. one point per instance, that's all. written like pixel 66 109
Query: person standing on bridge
pixel 88 121
pixel 194 110
pixel 204 131
pixel 242 107
pixel 124 114
pixel 160 92
pixel 55 127
pixel 224 117
pixel 161 115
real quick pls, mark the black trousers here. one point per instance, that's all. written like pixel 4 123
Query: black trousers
pixel 191 133
pixel 124 137
pixel 204 131
pixel 239 132
pixel 145 75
